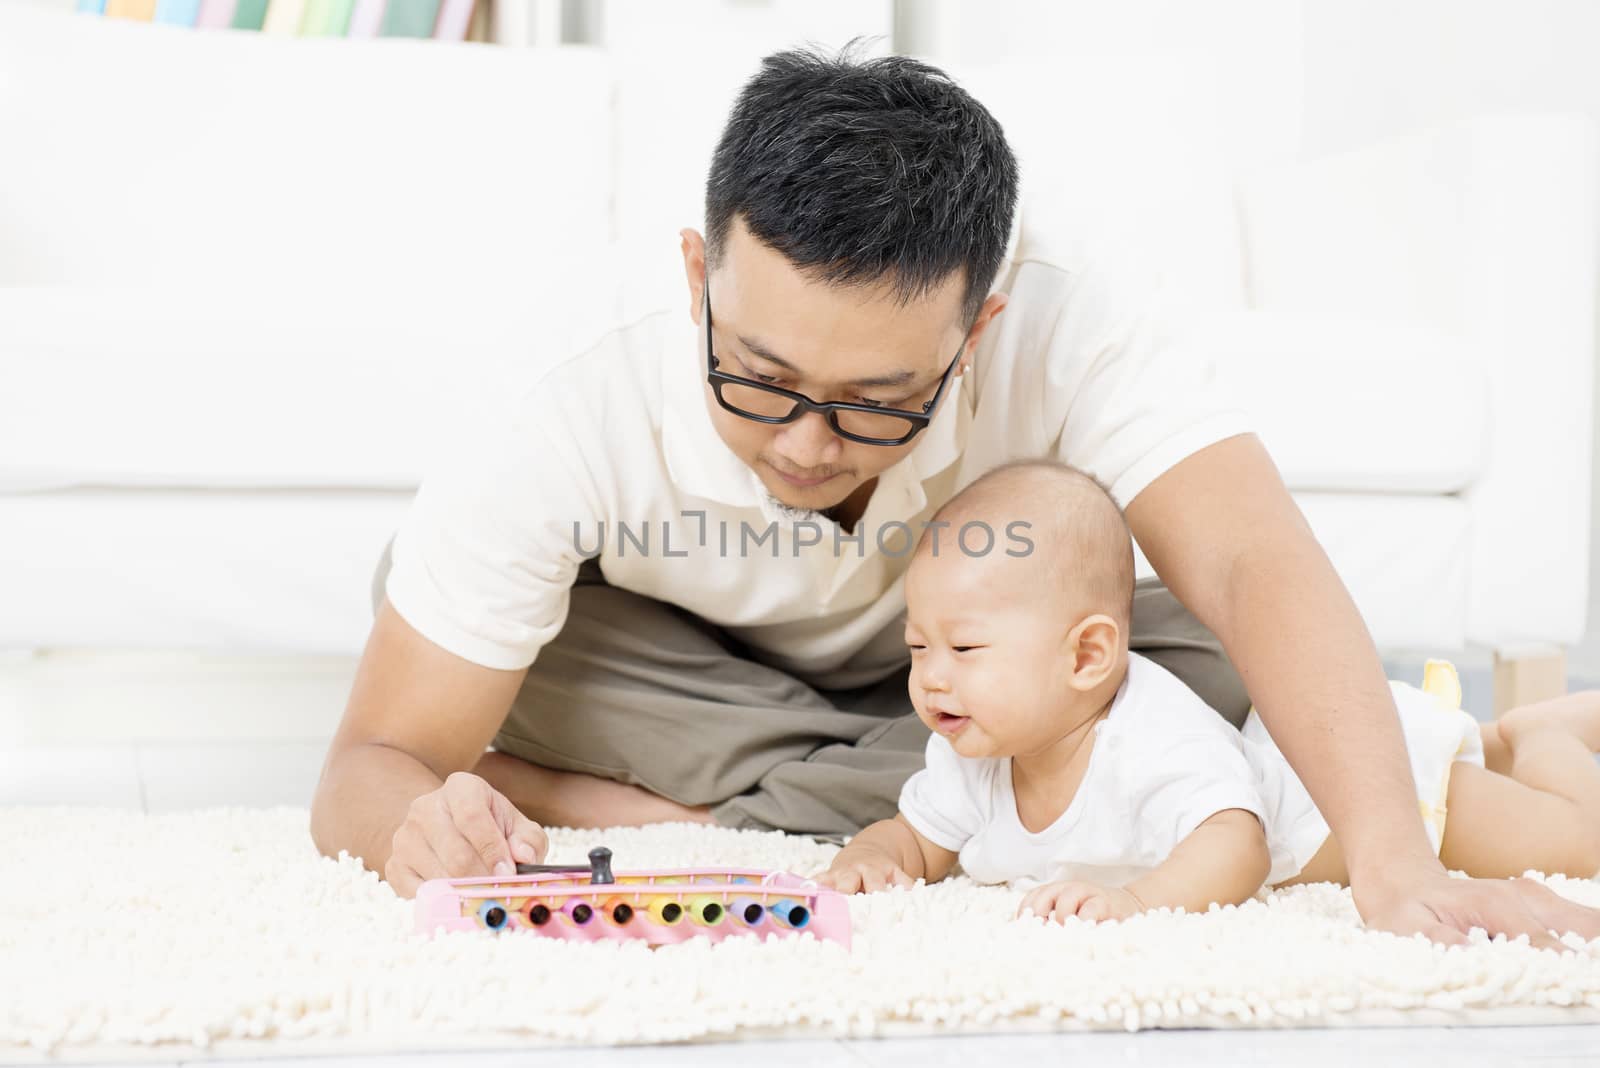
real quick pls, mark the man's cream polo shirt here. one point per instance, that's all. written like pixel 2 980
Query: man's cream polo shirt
pixel 619 439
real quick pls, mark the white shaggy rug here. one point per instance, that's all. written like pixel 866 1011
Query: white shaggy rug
pixel 123 934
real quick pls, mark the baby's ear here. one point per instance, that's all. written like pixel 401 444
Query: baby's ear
pixel 1096 645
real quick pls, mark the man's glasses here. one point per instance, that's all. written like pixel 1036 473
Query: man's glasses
pixel 856 422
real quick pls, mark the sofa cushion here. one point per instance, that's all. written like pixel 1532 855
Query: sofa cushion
pixel 150 389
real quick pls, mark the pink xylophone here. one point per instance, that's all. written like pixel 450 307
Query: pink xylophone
pixel 590 904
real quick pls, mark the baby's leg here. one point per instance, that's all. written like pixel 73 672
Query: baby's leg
pixel 1576 714
pixel 1536 807
pixel 1546 819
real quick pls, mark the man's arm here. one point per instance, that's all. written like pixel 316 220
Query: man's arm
pixel 417 716
pixel 1230 543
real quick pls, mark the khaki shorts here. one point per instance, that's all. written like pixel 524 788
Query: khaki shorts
pixel 644 692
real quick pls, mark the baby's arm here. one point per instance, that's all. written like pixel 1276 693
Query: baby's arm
pixel 888 853
pixel 1224 860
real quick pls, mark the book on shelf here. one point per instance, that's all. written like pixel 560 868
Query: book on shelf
pixel 409 18
pixel 454 18
pixel 177 12
pixel 326 18
pixel 283 17
pixel 365 18
pixel 249 14
pixel 138 10
pixel 216 14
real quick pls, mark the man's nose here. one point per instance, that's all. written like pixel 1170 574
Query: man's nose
pixel 808 441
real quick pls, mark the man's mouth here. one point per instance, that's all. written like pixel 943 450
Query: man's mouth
pixel 802 481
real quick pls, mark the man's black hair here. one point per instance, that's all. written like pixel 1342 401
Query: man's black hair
pixel 865 171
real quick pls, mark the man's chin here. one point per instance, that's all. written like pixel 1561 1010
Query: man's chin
pixel 818 498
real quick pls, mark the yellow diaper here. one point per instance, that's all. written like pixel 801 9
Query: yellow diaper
pixel 1438 734
pixel 1440 681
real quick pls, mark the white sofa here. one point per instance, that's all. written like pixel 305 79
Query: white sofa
pixel 252 284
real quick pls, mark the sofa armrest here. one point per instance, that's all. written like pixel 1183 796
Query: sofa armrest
pixel 1485 229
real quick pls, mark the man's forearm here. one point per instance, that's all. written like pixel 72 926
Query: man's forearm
pixel 363 797
pixel 1312 670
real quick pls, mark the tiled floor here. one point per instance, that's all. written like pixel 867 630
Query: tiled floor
pixel 158 734
pixel 1546 1047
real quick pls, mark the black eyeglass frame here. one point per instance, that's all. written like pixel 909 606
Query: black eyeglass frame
pixel 829 409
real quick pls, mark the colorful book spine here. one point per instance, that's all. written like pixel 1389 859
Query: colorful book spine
pixel 314 18
pixel 178 12
pixel 216 14
pixel 339 17
pixel 409 18
pixel 138 10
pixel 454 17
pixel 249 14
pixel 283 17
pixel 326 18
pixel 366 18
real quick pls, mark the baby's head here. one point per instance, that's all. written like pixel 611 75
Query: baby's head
pixel 1014 647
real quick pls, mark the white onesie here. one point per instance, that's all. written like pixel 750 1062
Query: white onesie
pixel 1163 762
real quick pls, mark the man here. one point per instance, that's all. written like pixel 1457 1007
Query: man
pixel 668 586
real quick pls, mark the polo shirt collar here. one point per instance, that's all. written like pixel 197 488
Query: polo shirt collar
pixel 698 461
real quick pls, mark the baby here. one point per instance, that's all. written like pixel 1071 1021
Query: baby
pixel 1060 757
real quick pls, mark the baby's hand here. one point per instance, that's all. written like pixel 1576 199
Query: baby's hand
pixel 863 872
pixel 1087 901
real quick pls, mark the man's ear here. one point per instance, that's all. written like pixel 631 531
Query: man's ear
pixel 1095 646
pixel 991 309
pixel 694 269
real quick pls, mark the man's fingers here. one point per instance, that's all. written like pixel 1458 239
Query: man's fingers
pixel 402 878
pixel 1556 913
pixel 414 864
pixel 1444 934
pixel 471 813
pixel 527 840
pixel 457 855
pixel 1545 940
pixel 529 843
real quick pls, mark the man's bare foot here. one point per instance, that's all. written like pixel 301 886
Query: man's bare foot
pixel 570 799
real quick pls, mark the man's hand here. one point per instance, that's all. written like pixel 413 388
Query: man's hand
pixel 863 871
pixel 1087 901
pixel 464 828
pixel 1407 900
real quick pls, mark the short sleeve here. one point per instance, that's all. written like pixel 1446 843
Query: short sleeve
pixel 1129 392
pixel 943 801
pixel 1184 780
pixel 484 562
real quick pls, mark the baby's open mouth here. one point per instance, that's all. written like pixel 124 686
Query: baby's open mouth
pixel 949 723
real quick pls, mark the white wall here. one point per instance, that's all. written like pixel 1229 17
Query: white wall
pixel 1312 77
pixel 1380 67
